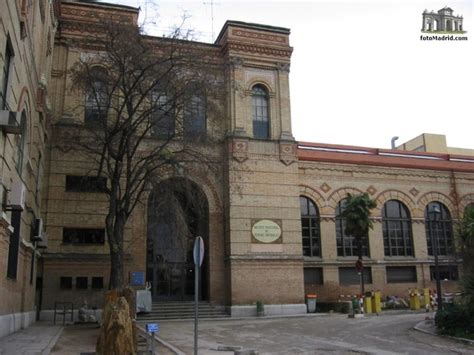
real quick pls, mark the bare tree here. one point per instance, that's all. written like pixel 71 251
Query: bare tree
pixel 145 109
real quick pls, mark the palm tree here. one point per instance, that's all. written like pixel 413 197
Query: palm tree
pixel 466 236
pixel 357 215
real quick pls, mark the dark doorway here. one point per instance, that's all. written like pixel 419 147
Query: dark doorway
pixel 177 214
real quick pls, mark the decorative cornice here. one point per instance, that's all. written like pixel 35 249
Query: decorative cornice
pixel 260 50
pixel 371 171
pixel 237 32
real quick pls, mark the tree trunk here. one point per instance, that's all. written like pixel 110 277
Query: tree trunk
pixel 115 230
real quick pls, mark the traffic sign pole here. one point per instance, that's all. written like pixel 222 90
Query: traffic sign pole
pixel 198 254
pixel 196 300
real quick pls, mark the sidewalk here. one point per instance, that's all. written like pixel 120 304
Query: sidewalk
pixel 428 326
pixel 36 339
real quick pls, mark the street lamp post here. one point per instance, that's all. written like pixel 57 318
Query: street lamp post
pixel 434 214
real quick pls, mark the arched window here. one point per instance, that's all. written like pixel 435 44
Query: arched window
pixel 162 116
pixel 347 244
pixel 310 230
pixel 195 116
pixel 21 143
pixel 469 207
pixel 261 126
pixel 397 233
pixel 96 99
pixel 440 228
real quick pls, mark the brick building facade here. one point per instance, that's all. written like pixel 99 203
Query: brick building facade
pixel 267 181
pixel 27 30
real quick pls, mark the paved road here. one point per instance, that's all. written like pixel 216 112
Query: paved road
pixel 327 334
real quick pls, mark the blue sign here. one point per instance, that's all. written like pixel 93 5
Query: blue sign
pixel 137 278
pixel 152 328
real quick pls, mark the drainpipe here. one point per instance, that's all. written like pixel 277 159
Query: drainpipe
pixel 393 141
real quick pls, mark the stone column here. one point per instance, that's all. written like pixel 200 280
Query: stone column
pixel 284 101
pixel 419 240
pixel 328 239
pixel 376 242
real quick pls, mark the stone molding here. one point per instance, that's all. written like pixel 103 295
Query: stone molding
pixel 259 50
pixel 239 149
pixel 288 153
pixel 283 40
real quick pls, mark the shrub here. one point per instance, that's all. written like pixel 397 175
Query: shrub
pixel 456 320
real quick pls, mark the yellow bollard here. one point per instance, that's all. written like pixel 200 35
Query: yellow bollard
pixel 376 303
pixel 367 304
pixel 414 300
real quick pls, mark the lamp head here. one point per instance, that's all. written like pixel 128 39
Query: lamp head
pixel 434 212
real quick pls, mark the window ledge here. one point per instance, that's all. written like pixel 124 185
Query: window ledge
pixel 5 222
pixel 395 258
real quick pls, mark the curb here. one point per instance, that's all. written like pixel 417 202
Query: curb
pixel 418 328
pixel 53 341
pixel 172 348
pixel 229 318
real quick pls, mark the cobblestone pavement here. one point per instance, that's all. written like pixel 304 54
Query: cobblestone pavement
pixel 326 334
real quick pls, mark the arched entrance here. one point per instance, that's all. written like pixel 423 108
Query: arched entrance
pixel 177 213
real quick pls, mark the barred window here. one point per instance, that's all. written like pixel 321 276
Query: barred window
pixel 21 143
pixel 347 244
pixel 446 273
pixel 8 58
pixel 397 232
pixel 310 229
pixel 97 283
pixel 401 274
pixel 76 183
pixel 83 235
pixel 350 276
pixel 163 120
pixel 313 276
pixel 261 127
pixel 195 117
pixel 96 98
pixel 441 229
pixel 82 282
pixel 65 282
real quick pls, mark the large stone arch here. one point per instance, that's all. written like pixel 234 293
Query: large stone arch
pixel 314 196
pixel 209 187
pixel 340 194
pixel 432 196
pixel 387 195
pixel 178 211
pixel 465 201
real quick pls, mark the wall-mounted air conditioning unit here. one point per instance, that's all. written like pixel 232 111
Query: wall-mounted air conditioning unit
pixel 9 122
pixel 37 232
pixel 17 196
pixel 43 244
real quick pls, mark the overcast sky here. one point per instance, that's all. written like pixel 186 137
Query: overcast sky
pixel 359 72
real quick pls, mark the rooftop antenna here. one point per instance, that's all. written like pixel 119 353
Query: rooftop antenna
pixel 393 141
pixel 211 3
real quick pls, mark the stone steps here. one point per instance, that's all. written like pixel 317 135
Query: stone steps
pixel 181 310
